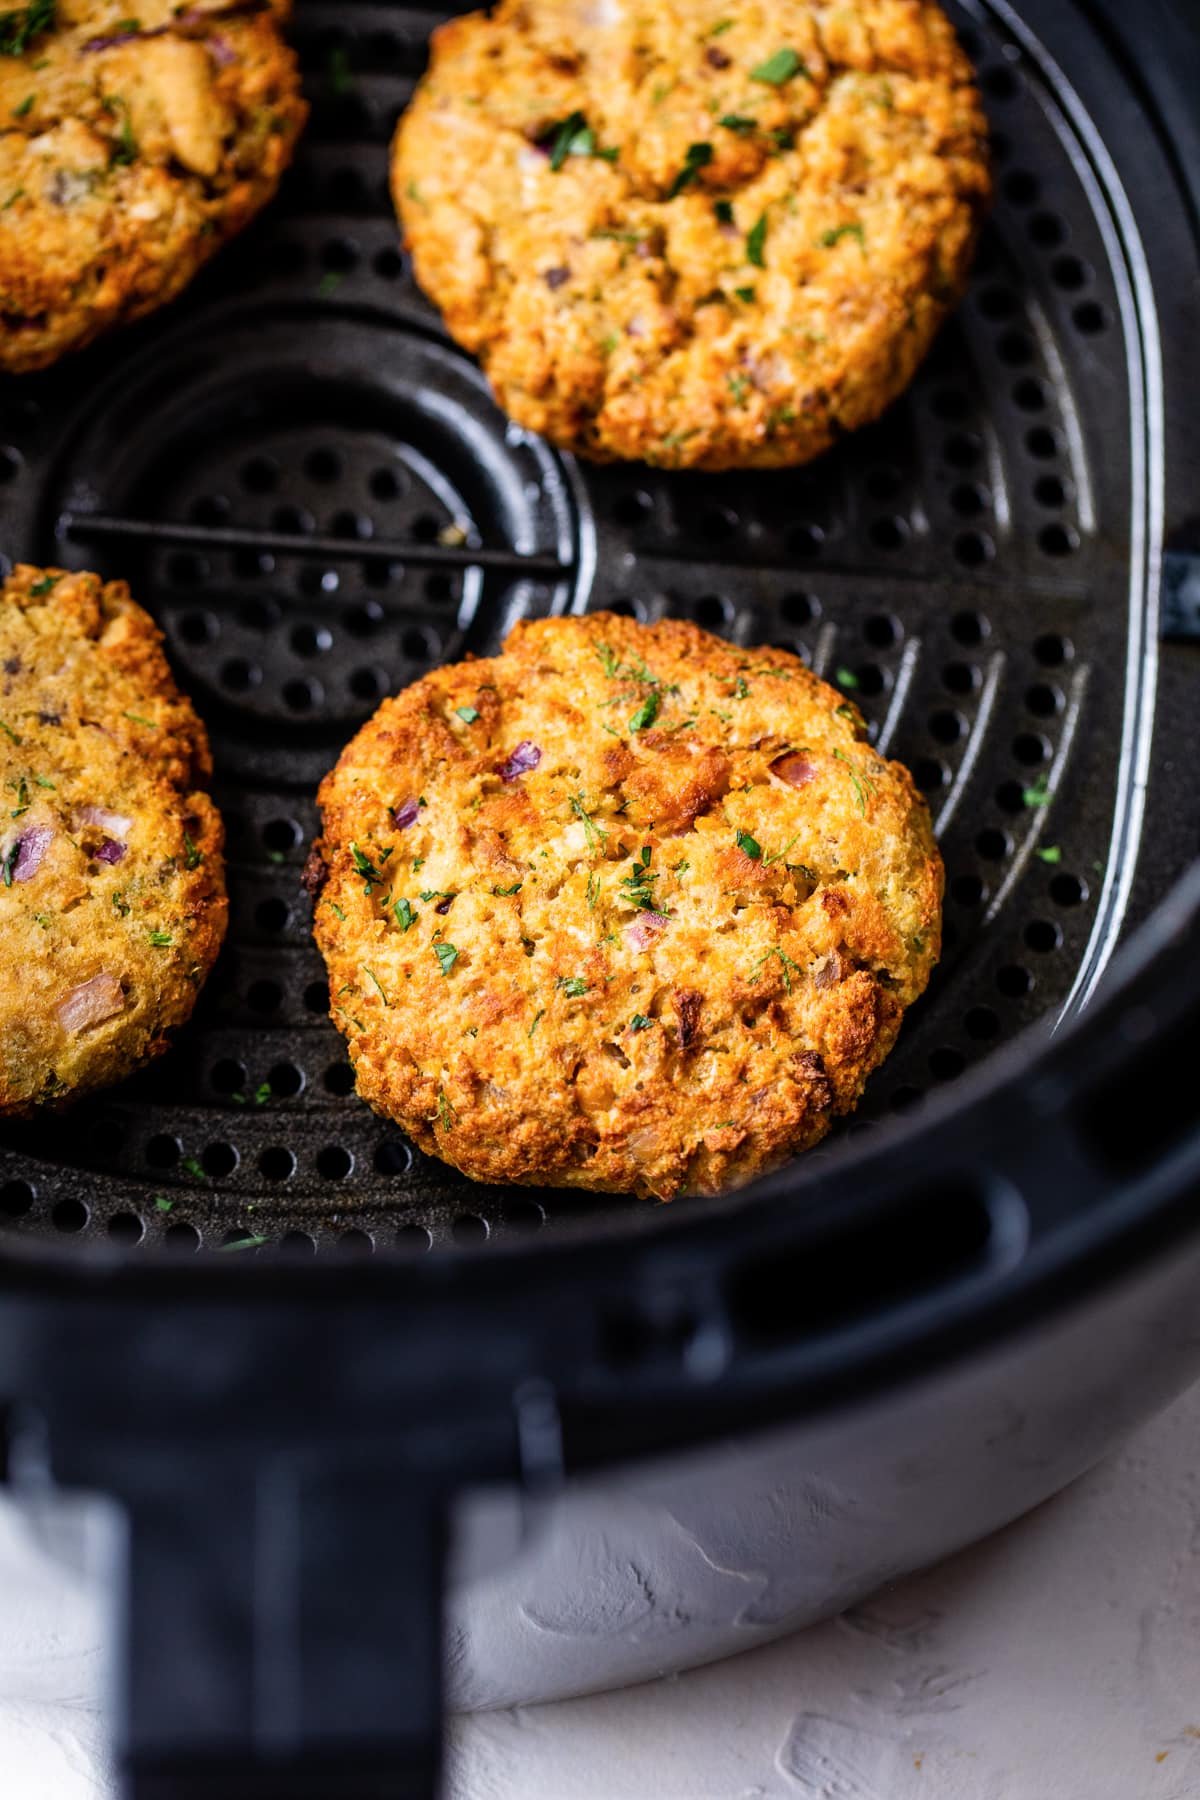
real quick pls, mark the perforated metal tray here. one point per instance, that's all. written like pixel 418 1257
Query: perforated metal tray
pixel 273 464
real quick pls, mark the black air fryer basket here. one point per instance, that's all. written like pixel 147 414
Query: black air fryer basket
pixel 315 495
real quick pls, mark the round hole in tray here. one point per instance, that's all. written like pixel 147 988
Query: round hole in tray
pixel 16 1198
pixel 414 1238
pixel 70 1216
pixel 334 1162
pixel 1043 935
pixel 1014 980
pixel 298 1243
pixel 982 1024
pixel 218 1159
pixel 469 1228
pixel 276 1162
pixel 181 1236
pixel 126 1228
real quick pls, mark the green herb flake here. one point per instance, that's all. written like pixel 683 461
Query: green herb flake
pixel 193 856
pixel 503 893
pixel 847 678
pixel 26 107
pixel 756 239
pixel 573 986
pixel 329 284
pixel 738 122
pixel 162 940
pixel 738 387
pixel 861 784
pixel 1037 793
pixel 22 805
pixel 639 884
pixel 126 150
pixel 595 835
pixel 593 891
pixel 720 28
pixel 749 846
pixel 697 157
pixel 365 867
pixel 17 194
pixel 779 68
pixel 846 712
pixel 10 862
pixel 9 732
pixel 140 719
pixel 646 713
pixel 746 294
pixel 406 918
pixel 162 1204
pixel 640 1022
pixel 446 1112
pixel 467 714
pixel 785 962
pixel 538 1016
pixel 19 27
pixel 262 1093
pixel 191 1166
pixel 564 139
pixel 1050 853
pixel 379 987
pixel 447 956
pixel 120 904
pixel 251 1241
pixel 723 209
pixel 836 233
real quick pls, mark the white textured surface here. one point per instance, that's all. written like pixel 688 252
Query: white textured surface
pixel 1059 1661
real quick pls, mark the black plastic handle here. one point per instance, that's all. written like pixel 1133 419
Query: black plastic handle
pixel 283 1636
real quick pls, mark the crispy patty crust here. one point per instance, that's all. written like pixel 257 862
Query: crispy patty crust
pixel 112 886
pixel 131 148
pixel 696 235
pixel 625 907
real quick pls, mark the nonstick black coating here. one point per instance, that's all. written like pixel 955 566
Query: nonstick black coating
pixel 313 492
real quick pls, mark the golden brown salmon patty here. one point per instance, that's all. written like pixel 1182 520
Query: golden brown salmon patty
pixel 112 884
pixel 699 235
pixel 131 148
pixel 624 907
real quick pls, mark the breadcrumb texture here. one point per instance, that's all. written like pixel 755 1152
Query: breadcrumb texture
pixel 625 907
pixel 697 235
pixel 131 149
pixel 112 885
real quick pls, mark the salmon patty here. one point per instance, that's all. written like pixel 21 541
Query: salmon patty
pixel 693 235
pixel 131 149
pixel 112 885
pixel 625 907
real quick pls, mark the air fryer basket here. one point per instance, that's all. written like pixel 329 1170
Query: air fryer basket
pixel 313 492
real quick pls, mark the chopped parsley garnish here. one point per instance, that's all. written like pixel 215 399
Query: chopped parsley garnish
pixel 697 157
pixel 836 233
pixel 738 386
pixel 778 855
pixel 428 894
pixel 251 1241
pixel 22 805
pixel 721 26
pixel 467 714
pixel 779 67
pixel 366 868
pixel 190 1166
pixel 785 963
pixel 639 884
pixel 756 239
pixel 846 712
pixel 503 893
pixel 405 916
pixel 861 784
pixel 646 713
pixel 593 891
pixel 724 211
pixel 10 862
pixel 26 106
pixel 140 719
pixel 126 148
pixel 161 939
pixel 379 987
pixel 262 1093
pixel 120 904
pixel 19 27
pixel 574 137
pixel 847 678
pixel 329 284
pixel 1050 853
pixel 741 688
pixel 748 294
pixel 336 910
pixel 594 834
pixel 738 122
pixel 193 856
pixel 446 1112
pixel 9 732
pixel 749 846
pixel 162 1204
pixel 447 956
pixel 572 986
pixel 640 1022
pixel 17 194
pixel 537 1017
pixel 1037 793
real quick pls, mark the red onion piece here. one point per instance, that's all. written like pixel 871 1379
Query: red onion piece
pixel 114 823
pixel 110 851
pixel 405 815
pixel 525 757
pixel 32 846
pixel 91 1003
pixel 221 50
pixel 793 768
pixel 642 933
pixel 115 38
